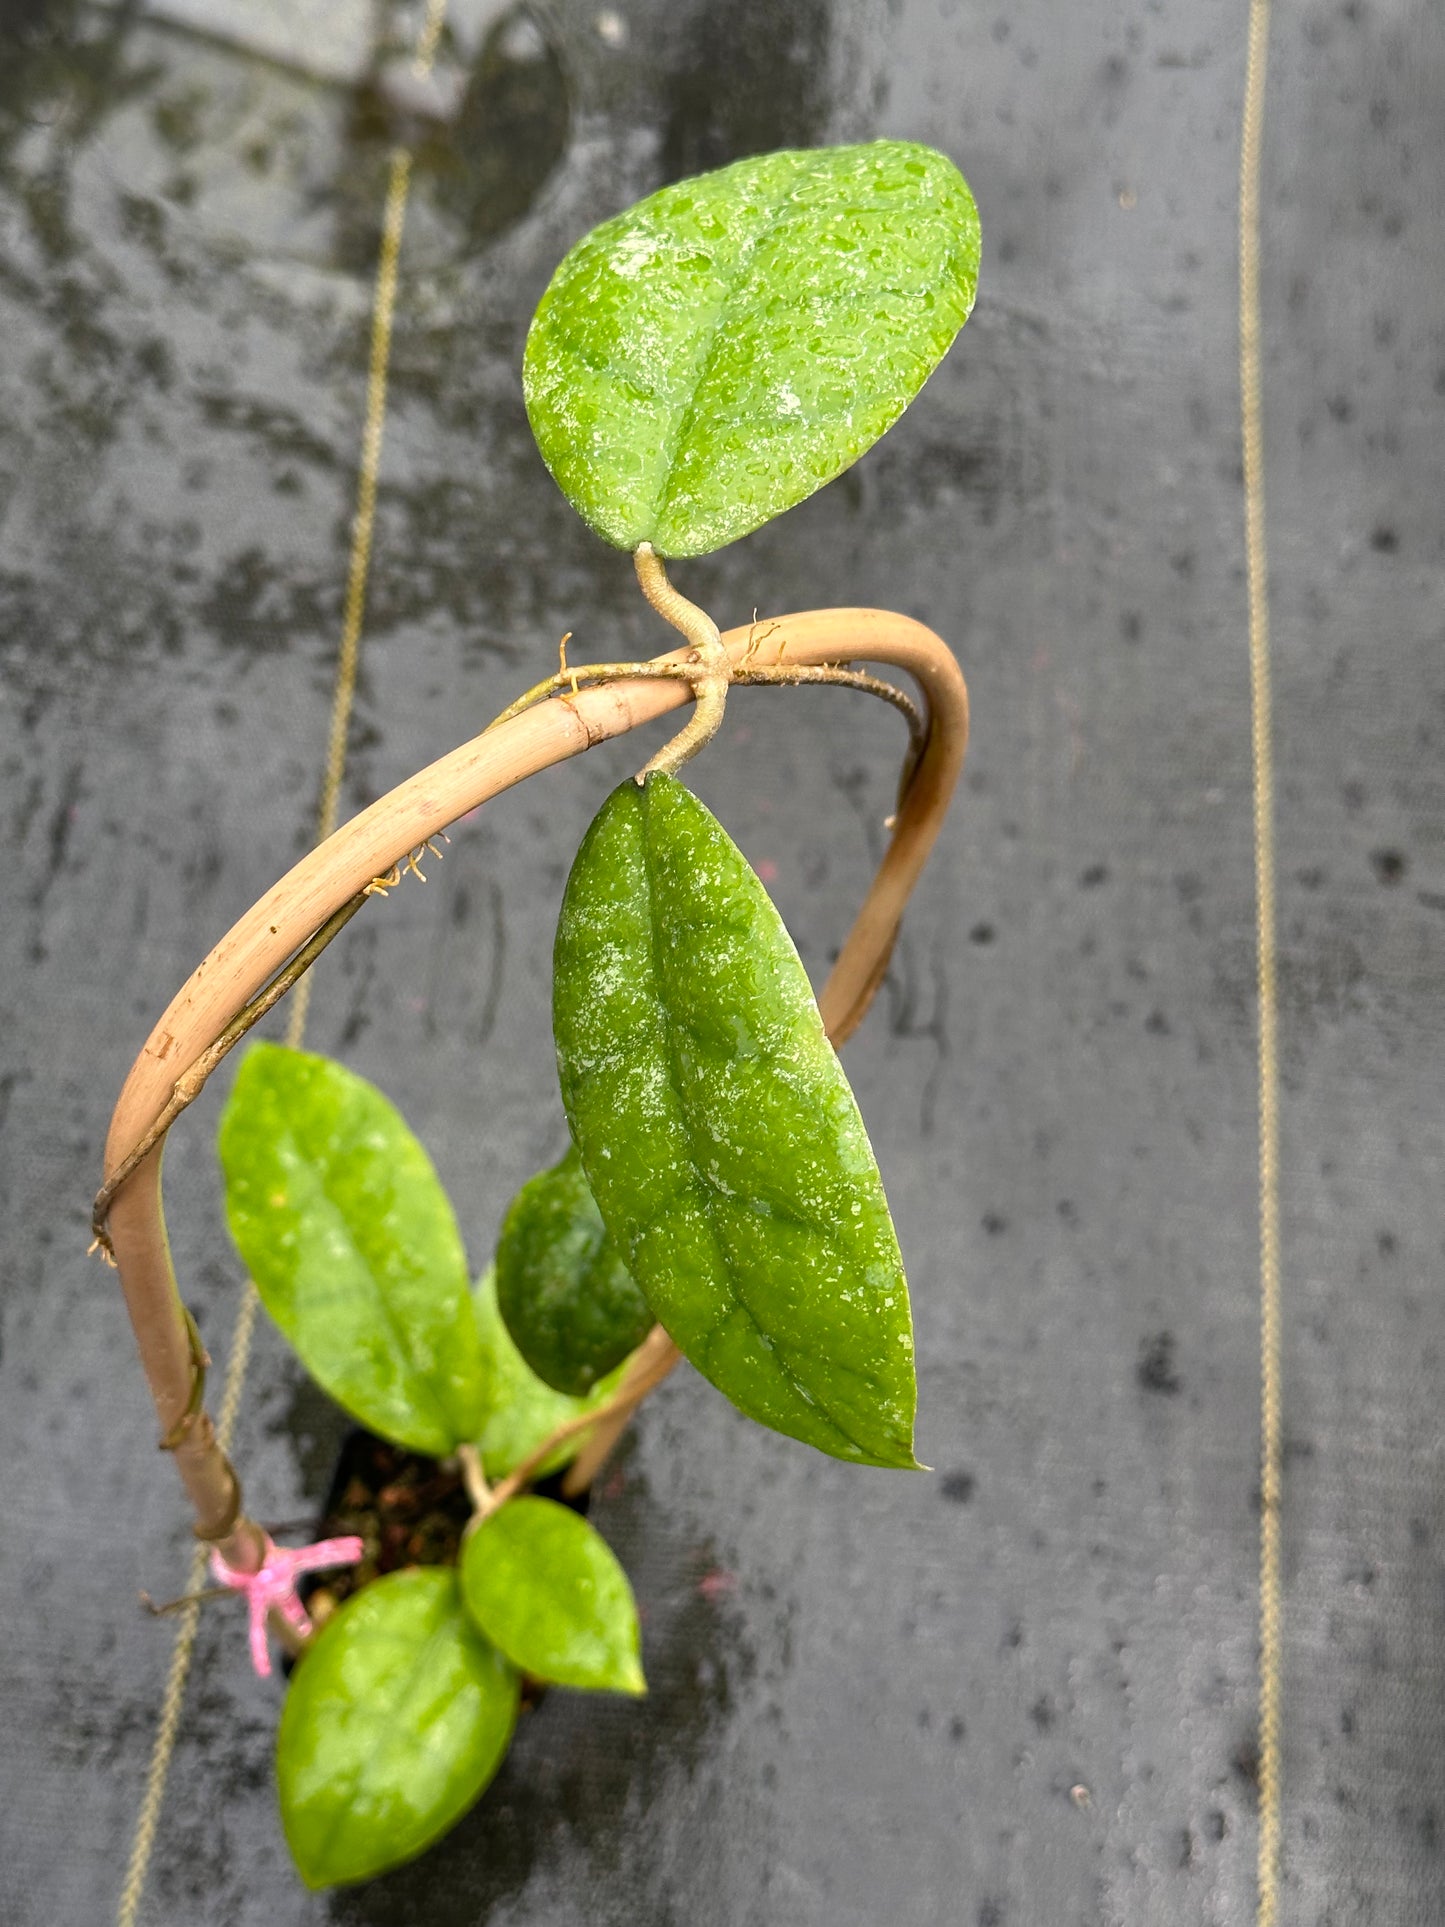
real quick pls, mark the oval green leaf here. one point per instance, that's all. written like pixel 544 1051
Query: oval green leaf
pixel 354 1248
pixel 722 349
pixel 719 1134
pixel 547 1589
pixel 394 1722
pixel 521 1411
pixel 572 1307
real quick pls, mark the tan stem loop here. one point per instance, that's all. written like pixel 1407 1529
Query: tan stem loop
pixel 188 1088
pixel 298 907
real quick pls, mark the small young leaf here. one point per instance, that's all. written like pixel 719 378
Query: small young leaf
pixel 571 1305
pixel 713 355
pixel 547 1589
pixel 395 1720
pixel 718 1132
pixel 336 1209
pixel 520 1410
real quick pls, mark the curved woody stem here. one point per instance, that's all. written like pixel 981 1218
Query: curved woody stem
pixel 295 913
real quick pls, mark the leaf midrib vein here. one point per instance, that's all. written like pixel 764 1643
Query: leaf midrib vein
pixel 806 1397
pixel 389 1318
pixel 703 360
pixel 384 1717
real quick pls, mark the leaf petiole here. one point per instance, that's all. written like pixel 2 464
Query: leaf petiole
pixel 651 1363
pixel 474 1479
pixel 710 690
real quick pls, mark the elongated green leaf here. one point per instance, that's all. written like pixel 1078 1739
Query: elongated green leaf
pixel 521 1411
pixel 395 1720
pixel 718 1132
pixel 572 1306
pixel 713 355
pixel 336 1209
pixel 547 1589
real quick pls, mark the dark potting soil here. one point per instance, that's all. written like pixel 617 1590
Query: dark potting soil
pixel 407 1509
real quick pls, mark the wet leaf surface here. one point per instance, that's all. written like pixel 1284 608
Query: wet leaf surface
pixel 713 355
pixel 337 1211
pixel 393 1724
pixel 571 1305
pixel 547 1589
pixel 719 1134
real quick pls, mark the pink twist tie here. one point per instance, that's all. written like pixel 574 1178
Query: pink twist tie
pixel 273 1586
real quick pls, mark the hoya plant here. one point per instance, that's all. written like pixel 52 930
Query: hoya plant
pixel 698 365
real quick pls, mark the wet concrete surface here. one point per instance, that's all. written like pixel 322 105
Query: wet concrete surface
pixel 1020 1689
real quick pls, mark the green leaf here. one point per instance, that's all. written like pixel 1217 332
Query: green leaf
pixel 718 1132
pixel 718 352
pixel 521 1411
pixel 336 1209
pixel 394 1721
pixel 571 1305
pixel 547 1589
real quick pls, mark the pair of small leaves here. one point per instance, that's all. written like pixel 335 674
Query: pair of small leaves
pixel 719 1134
pixel 716 353
pixel 402 1709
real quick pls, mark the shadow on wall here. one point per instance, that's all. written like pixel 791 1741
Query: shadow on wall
pixel 263 153
pixel 750 78
pixel 481 154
